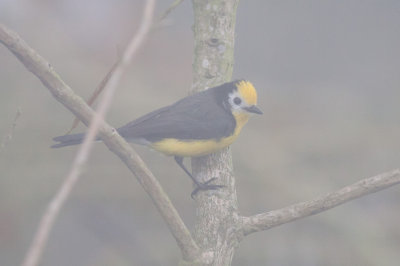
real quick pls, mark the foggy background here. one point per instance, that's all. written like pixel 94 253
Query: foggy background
pixel 327 74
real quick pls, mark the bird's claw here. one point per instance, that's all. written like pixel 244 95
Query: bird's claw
pixel 205 186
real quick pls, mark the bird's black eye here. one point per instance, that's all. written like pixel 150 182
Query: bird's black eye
pixel 237 100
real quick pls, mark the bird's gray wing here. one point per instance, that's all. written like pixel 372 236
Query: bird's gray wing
pixel 199 117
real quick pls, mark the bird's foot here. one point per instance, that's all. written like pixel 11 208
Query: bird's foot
pixel 205 186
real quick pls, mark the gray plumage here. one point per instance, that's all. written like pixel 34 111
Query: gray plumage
pixel 203 115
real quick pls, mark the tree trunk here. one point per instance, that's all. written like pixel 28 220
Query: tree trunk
pixel 216 211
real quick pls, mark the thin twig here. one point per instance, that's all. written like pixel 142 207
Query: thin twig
pixel 99 89
pixel 64 94
pixel 267 220
pixel 169 10
pixel 10 133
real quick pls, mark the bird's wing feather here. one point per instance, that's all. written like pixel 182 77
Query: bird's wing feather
pixel 188 119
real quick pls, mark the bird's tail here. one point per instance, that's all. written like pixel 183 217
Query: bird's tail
pixel 68 140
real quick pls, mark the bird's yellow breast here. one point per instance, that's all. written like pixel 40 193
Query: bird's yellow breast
pixel 195 148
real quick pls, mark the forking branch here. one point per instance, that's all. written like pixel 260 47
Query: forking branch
pixel 64 94
pixel 47 222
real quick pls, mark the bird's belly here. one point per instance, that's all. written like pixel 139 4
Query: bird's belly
pixel 191 148
pixel 196 147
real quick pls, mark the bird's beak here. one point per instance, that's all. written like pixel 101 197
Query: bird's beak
pixel 253 109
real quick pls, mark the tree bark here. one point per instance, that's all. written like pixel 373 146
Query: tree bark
pixel 217 216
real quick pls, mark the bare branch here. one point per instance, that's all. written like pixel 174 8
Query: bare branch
pixel 267 220
pixel 99 89
pixel 46 224
pixel 10 132
pixel 169 10
pixel 64 94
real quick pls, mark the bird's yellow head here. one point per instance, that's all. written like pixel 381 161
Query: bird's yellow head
pixel 247 91
pixel 243 98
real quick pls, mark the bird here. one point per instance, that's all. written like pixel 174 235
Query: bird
pixel 196 125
